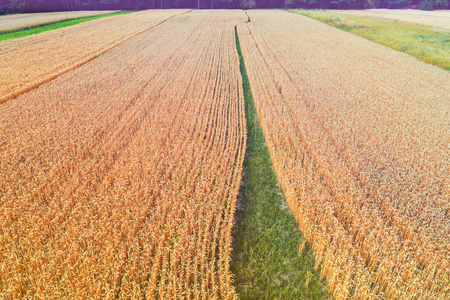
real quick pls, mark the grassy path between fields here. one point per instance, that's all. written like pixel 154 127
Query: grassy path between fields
pixel 429 44
pixel 35 29
pixel 267 261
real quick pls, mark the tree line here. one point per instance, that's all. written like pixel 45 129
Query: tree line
pixel 13 6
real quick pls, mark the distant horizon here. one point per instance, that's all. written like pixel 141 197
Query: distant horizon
pixel 23 6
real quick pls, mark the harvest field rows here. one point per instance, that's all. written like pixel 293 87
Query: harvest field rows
pixel 427 43
pixel 359 137
pixel 17 21
pixel 31 61
pixel 119 179
pixel 439 19
pixel 121 160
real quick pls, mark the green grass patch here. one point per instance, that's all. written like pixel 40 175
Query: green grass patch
pixel 267 263
pixel 429 44
pixel 22 32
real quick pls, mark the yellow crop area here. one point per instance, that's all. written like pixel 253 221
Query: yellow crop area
pixel 439 19
pixel 359 136
pixel 17 21
pixel 28 62
pixel 119 179
pixel 123 145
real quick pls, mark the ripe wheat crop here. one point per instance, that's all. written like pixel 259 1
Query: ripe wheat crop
pixel 17 21
pixel 119 179
pixel 360 140
pixel 439 19
pixel 31 61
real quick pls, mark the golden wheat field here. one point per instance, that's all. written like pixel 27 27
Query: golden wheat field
pixel 30 61
pixel 121 159
pixel 119 178
pixel 439 19
pixel 360 140
pixel 16 21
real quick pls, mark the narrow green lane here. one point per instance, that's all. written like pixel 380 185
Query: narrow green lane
pixel 267 261
pixel 22 32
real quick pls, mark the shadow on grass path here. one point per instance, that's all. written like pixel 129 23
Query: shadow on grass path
pixel 267 259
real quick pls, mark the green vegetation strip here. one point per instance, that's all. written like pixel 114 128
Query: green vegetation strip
pixel 267 260
pixel 22 32
pixel 429 44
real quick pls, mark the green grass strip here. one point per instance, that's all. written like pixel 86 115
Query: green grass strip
pixel 267 263
pixel 429 44
pixel 22 32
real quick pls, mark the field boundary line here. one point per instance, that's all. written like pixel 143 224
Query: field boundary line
pixel 14 95
pixel 24 28
pixel 405 45
pixel 261 196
